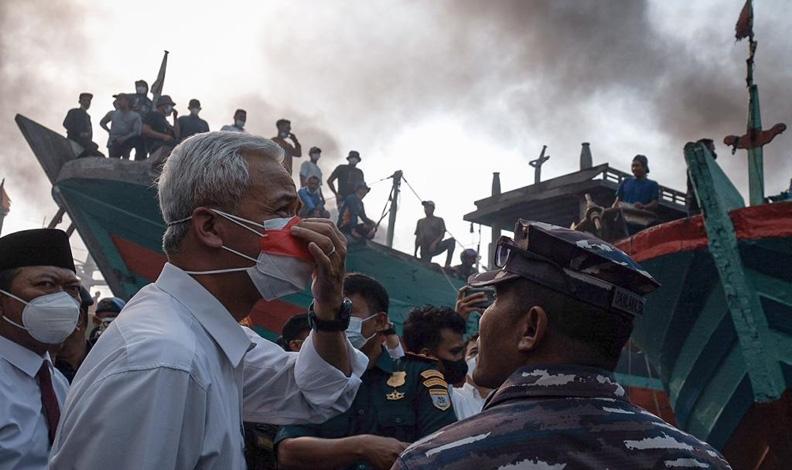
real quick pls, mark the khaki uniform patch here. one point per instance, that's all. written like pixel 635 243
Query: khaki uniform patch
pixel 432 373
pixel 397 379
pixel 435 382
pixel 395 395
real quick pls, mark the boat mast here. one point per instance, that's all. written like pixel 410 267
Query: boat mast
pixel 394 206
pixel 755 138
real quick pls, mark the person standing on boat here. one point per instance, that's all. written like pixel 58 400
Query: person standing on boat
pixel 310 167
pixel 565 306
pixel 157 131
pixel 79 129
pixel 172 378
pixel 240 118
pixel 141 103
pixel 125 129
pixel 429 233
pixel 639 191
pixel 39 305
pixel 192 124
pixel 349 176
pixel 290 150
pixel 400 400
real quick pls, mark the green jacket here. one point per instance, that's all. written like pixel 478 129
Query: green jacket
pixel 405 398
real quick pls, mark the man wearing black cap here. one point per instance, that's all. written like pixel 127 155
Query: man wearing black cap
pixel 429 233
pixel 157 131
pixel 290 150
pixel 141 103
pixel 192 124
pixel 564 309
pixel 348 176
pixel 79 129
pixel 639 191
pixel 39 305
pixel 125 130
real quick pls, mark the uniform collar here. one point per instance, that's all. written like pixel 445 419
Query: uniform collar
pixel 210 313
pixel 21 357
pixel 569 381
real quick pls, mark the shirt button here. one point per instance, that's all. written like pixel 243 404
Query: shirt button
pixel 361 412
pixel 398 420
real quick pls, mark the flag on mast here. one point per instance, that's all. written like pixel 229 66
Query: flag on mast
pixel 156 87
pixel 744 27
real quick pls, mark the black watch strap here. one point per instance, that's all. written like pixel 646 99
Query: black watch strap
pixel 341 322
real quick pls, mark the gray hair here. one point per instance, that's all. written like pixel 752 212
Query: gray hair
pixel 207 170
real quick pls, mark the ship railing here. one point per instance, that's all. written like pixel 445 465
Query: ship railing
pixel 666 194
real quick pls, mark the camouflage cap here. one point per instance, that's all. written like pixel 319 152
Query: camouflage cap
pixel 576 263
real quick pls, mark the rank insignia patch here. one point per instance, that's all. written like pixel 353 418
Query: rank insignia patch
pixel 397 379
pixel 435 382
pixel 432 373
pixel 440 399
pixel 395 395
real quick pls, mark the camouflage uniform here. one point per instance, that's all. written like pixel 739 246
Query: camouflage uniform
pixel 405 398
pixel 560 417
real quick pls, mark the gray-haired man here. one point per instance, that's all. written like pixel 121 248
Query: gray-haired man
pixel 174 375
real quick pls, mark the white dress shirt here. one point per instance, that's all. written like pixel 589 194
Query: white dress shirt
pixel 168 384
pixel 24 436
pixel 467 401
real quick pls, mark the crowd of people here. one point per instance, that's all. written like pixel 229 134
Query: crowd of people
pixel 176 380
pixel 139 124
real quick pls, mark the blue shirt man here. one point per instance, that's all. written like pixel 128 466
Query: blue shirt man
pixel 639 191
pixel 313 202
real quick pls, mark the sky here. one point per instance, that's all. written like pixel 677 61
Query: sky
pixel 449 91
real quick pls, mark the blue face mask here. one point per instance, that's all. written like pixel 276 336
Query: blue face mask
pixel 355 331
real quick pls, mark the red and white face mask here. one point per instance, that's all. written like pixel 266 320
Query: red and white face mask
pixel 284 265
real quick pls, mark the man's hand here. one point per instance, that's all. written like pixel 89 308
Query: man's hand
pixel 328 247
pixel 381 452
pixel 292 136
pixel 467 304
pixel 175 113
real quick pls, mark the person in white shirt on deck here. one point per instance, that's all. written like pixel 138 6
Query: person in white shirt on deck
pixel 39 309
pixel 170 381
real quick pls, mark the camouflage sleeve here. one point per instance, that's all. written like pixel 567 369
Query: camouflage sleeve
pixel 433 403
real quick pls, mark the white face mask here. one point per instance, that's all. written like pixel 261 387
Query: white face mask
pixel 355 331
pixel 168 110
pixel 283 267
pixel 49 318
pixel 471 363
pixel 239 123
pixel 194 111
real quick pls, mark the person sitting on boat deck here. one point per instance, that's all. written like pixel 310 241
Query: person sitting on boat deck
pixel 39 308
pixel 125 129
pixel 79 129
pixel 399 401
pixel 290 150
pixel 352 211
pixel 157 131
pixel 565 306
pixel 691 202
pixel 311 167
pixel 639 192
pixel 141 103
pixel 429 233
pixel 240 118
pixel 71 353
pixel 175 374
pixel 311 197
pixel 192 124
pixel 348 176
pixel 467 268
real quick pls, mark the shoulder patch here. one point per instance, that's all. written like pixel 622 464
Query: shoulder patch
pixel 440 399
pixel 435 382
pixel 429 373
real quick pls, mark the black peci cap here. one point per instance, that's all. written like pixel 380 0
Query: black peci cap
pixel 37 247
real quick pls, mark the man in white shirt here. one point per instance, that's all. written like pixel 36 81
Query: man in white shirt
pixel 240 118
pixel 170 381
pixel 310 167
pixel 39 308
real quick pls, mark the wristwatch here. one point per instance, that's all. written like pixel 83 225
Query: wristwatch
pixel 341 322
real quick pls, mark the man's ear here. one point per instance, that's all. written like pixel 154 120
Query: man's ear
pixel 534 327
pixel 205 227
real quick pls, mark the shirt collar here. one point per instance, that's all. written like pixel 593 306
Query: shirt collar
pixel 557 381
pixel 210 313
pixel 21 357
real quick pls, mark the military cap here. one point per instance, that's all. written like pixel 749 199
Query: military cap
pixel 574 263
pixel 37 247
